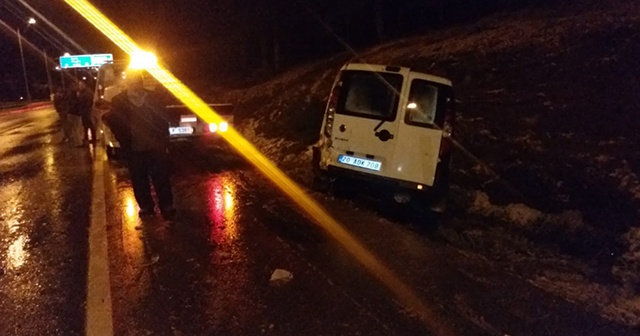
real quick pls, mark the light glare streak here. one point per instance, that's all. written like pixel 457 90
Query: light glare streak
pixel 54 27
pixel 26 42
pixel 290 188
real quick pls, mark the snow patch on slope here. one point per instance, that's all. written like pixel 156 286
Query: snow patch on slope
pixel 523 215
pixel 613 303
pixel 618 302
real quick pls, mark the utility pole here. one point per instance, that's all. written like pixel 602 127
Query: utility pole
pixel 46 67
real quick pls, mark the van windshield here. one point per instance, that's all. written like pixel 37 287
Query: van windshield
pixel 370 94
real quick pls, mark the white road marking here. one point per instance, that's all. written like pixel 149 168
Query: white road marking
pixel 98 309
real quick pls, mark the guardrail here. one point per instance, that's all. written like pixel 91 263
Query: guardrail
pixel 9 105
pixel 19 107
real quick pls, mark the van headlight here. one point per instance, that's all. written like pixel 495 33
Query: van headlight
pixel 224 126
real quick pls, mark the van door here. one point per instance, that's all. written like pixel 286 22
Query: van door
pixel 366 123
pixel 420 130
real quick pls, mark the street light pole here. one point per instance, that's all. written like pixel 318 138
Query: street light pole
pixel 24 68
pixel 46 67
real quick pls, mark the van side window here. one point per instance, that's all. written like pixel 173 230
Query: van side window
pixel 422 103
pixel 370 95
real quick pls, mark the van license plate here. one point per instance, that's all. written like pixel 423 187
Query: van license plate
pixel 180 130
pixel 362 163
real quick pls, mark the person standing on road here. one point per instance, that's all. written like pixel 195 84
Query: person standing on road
pixel 138 121
pixel 86 102
pixel 80 102
pixel 61 104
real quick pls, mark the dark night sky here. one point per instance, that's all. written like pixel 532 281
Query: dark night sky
pixel 209 40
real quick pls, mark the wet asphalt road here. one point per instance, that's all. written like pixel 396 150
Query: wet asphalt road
pixel 208 273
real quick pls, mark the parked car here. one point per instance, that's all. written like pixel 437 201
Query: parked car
pixel 391 127
pixel 184 125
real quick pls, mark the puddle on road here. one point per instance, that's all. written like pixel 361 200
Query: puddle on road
pixel 208 215
pixel 131 241
pixel 17 254
pixel 221 203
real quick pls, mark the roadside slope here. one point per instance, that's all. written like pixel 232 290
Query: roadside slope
pixel 547 103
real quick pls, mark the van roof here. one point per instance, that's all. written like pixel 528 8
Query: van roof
pixel 395 69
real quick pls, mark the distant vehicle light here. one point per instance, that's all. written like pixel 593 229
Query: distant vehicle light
pixel 213 127
pixel 188 119
pixel 412 105
pixel 224 126
pixel 420 187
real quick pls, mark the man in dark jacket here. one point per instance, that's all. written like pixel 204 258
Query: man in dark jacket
pixel 138 121
pixel 61 104
pixel 80 105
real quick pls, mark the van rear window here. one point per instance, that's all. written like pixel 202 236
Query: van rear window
pixel 370 94
pixel 422 104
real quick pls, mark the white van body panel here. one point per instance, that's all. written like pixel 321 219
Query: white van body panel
pixel 417 149
pixel 360 139
pixel 412 154
pixel 402 70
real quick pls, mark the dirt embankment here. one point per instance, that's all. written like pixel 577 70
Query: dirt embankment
pixel 547 124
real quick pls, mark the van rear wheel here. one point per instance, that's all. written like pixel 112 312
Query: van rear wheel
pixel 321 183
pixel 440 191
pixel 431 220
pixel 421 208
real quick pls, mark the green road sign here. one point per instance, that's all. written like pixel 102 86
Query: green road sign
pixel 85 61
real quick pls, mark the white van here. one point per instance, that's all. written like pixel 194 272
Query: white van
pixel 388 126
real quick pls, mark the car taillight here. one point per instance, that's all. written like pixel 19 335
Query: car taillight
pixel 222 127
pixel 447 128
pixel 331 110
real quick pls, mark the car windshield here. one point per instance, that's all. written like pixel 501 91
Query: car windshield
pixel 370 94
pixel 110 74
